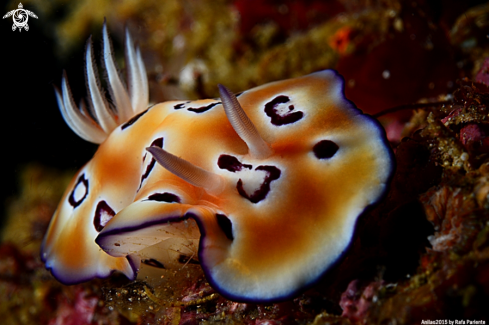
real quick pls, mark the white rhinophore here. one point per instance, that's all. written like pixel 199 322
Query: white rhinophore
pixel 95 125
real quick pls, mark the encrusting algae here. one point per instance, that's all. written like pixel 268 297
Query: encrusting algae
pixel 422 254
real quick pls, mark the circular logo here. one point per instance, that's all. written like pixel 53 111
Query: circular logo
pixel 20 17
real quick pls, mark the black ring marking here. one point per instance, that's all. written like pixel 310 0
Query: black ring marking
pixel 103 214
pixel 81 182
pixel 273 173
pixel 278 119
pixel 233 165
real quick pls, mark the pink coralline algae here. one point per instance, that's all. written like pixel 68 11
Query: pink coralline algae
pixel 483 74
pixel 356 301
pixel 80 311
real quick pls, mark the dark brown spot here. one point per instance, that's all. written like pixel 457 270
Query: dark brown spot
pixel 154 263
pixel 225 225
pixel 325 149
pixel 133 119
pixel 157 143
pixel 103 214
pixel 79 192
pixel 203 108
pixel 231 163
pixel 278 117
pixel 164 197
pixel 180 106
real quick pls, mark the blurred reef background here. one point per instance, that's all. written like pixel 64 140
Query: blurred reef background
pixel 422 254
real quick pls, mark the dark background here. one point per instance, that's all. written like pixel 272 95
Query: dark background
pixel 33 130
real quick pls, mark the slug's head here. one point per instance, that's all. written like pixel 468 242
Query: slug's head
pixel 98 190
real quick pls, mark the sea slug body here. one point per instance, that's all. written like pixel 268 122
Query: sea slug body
pixel 267 186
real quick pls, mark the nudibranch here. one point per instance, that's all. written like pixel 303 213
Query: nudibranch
pixel 264 186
